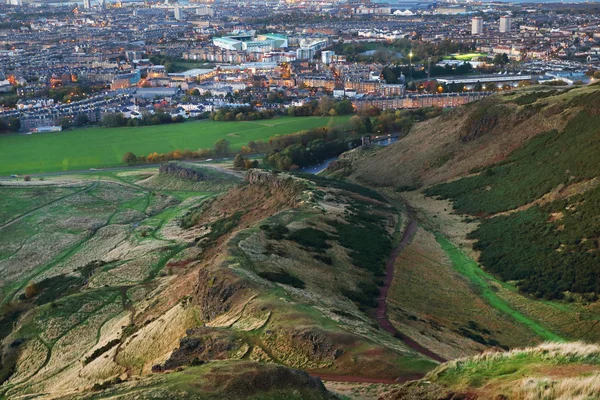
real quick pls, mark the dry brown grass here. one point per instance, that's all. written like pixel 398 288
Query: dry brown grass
pixel 432 152
pixel 576 388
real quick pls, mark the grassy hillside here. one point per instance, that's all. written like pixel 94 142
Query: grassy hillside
pixel 103 147
pixel 539 208
pixel 506 191
pixel 548 371
pixel 114 282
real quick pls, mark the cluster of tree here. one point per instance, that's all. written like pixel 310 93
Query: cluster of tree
pixel 241 114
pixel 392 74
pixel 79 120
pixel 114 120
pixel 298 156
pixel 131 159
pixel 170 63
pixel 239 162
pixel 64 94
pixel 500 59
pixel 593 73
pixel 220 148
pixel 10 125
pixel 9 99
pixel 400 121
pixel 420 50
pixel 323 107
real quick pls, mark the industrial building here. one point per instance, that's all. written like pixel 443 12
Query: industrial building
pixel 248 41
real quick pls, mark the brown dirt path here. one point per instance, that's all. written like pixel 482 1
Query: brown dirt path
pixel 382 317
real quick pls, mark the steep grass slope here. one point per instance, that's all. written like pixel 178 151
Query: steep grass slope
pixel 512 181
pixel 548 371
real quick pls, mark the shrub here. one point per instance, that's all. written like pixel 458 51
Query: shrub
pixel 283 277
pixel 310 237
pixel 31 290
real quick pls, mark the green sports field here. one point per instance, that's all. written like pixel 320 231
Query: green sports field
pixel 465 57
pixel 104 147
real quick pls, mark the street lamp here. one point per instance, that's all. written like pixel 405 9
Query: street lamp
pixel 410 64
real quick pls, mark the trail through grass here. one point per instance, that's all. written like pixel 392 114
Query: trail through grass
pixel 480 279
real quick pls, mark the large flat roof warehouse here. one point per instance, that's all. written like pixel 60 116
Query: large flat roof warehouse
pixel 191 74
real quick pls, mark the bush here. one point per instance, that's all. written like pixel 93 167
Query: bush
pixel 31 291
pixel 310 237
pixel 283 277
pixel 275 232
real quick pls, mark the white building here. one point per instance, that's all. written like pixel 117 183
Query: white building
pixel 327 56
pixel 476 26
pixel 205 10
pixel 178 13
pixel 505 24
pixel 87 4
pixel 305 53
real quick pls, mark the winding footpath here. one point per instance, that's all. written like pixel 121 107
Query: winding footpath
pixel 383 320
pixel 382 316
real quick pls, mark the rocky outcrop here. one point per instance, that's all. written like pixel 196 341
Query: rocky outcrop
pixel 305 348
pixel 181 172
pixel 206 344
pixel 275 180
pixel 197 173
pixel 217 293
pixel 272 378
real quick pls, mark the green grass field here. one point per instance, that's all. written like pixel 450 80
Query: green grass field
pixel 105 147
pixel 464 57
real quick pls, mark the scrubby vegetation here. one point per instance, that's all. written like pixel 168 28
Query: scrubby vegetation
pixel 344 185
pixel 241 114
pixel 283 277
pixel 546 161
pixel 365 237
pixel 224 225
pixel 548 249
pixel 311 238
pixel 533 96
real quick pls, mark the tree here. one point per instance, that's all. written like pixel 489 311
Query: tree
pixel 82 120
pixel 344 107
pixel 129 158
pixel 239 162
pixel 27 178
pixel 357 124
pixel 221 147
pixel 251 164
pixel 113 120
pixel 253 146
pixel 501 59
pixel 64 122
pixel 325 104
pixel 491 87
